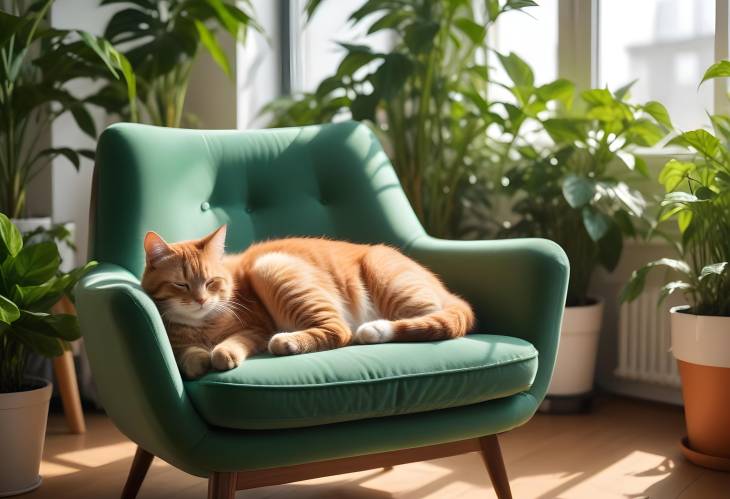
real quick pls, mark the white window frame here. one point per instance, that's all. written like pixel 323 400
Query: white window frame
pixel 578 27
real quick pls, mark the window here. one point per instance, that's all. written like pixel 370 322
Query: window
pixel 315 53
pixel 518 31
pixel 664 44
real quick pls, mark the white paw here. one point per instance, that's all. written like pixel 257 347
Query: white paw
pixel 225 359
pixel 379 331
pixel 196 363
pixel 284 344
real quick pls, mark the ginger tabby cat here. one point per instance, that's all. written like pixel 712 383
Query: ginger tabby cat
pixel 291 296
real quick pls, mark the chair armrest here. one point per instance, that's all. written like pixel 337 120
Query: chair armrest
pixel 516 286
pixel 134 368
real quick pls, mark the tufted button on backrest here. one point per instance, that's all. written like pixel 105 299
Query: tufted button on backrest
pixel 329 180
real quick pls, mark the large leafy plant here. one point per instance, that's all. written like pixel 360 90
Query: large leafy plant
pixel 163 39
pixel 576 189
pixel 36 63
pixel 698 199
pixel 30 284
pixel 426 97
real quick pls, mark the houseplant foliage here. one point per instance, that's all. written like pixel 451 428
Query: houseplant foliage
pixel 697 199
pixel 162 40
pixel 576 190
pixel 426 97
pixel 36 63
pixel 30 283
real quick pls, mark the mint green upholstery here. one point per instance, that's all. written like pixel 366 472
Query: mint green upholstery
pixel 364 381
pixel 331 180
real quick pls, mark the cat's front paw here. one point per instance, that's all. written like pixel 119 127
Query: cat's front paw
pixel 225 359
pixel 379 331
pixel 195 363
pixel 284 344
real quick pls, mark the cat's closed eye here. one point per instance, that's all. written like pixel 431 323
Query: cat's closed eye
pixel 180 285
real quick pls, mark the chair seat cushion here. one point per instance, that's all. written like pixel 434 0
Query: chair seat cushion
pixel 364 381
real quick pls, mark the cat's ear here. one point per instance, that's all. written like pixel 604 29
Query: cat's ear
pixel 215 243
pixel 156 248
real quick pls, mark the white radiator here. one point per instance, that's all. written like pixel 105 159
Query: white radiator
pixel 644 341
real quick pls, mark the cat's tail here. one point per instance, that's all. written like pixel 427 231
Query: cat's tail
pixel 454 320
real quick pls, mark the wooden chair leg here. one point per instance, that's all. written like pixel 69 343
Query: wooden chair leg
pixel 68 386
pixel 222 486
pixel 140 465
pixel 63 367
pixel 492 455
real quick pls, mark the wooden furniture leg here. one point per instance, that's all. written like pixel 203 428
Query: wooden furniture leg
pixel 222 486
pixel 63 367
pixel 68 386
pixel 492 455
pixel 140 464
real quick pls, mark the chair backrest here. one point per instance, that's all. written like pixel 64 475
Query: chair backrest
pixel 330 180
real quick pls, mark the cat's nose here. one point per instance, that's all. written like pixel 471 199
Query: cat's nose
pixel 201 300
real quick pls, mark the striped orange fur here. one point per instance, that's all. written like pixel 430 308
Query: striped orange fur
pixel 292 296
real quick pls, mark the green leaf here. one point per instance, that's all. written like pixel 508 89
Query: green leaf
pixel 565 130
pixel 644 133
pixel 354 61
pixel 678 197
pixel 35 264
pixel 517 69
pixel 701 140
pixel 561 90
pixel 214 49
pixel 84 120
pixel 11 238
pixel 596 223
pixel 623 92
pixel 718 70
pixel 391 20
pixel 674 172
pixel 714 269
pixel 41 344
pixel 670 288
pixel 578 191
pixel 9 311
pixel 475 32
pixel 657 111
pixel 419 36
pixel 610 247
pixel 638 278
pixel 66 152
pixel 598 97
pixel 61 326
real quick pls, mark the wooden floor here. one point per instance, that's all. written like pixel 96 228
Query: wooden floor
pixel 624 449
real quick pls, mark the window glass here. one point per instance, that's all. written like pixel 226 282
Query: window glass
pixel 666 45
pixel 532 35
pixel 318 53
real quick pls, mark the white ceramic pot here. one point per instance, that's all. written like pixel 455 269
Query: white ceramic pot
pixel 23 417
pixel 576 362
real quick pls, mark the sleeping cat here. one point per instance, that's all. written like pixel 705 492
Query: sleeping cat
pixel 291 296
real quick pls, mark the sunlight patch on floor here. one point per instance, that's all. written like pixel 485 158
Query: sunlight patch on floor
pixel 49 469
pixel 98 456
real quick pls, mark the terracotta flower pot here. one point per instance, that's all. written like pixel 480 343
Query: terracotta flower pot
pixel 701 345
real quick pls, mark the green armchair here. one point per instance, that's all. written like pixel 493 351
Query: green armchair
pixel 275 420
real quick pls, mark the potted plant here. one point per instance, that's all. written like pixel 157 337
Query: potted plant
pixel 163 40
pixel 576 190
pixel 30 283
pixel 36 63
pixel 698 199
